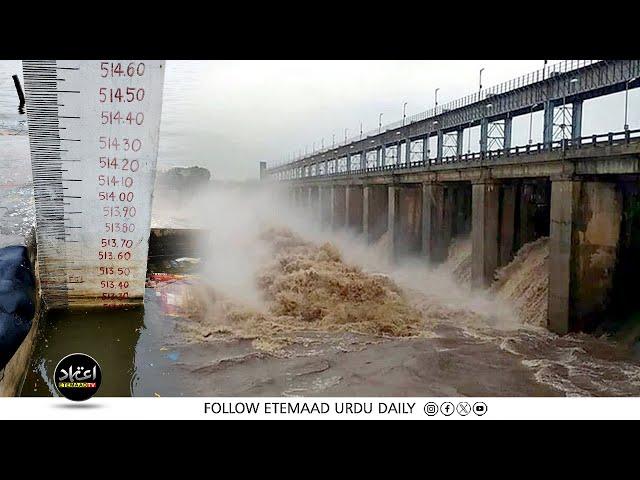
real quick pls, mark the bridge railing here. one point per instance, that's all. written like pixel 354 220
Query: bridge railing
pixel 601 140
pixel 513 84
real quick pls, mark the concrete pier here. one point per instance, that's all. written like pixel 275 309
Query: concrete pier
pixel 314 200
pixel 408 225
pixel 326 206
pixel 433 243
pixel 339 207
pixel 375 212
pixel 392 212
pixel 304 198
pixel 585 230
pixel 484 236
pixel 354 208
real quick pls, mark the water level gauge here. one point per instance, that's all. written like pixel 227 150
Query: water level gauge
pixel 93 135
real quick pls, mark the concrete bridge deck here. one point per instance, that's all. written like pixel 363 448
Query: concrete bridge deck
pixel 610 153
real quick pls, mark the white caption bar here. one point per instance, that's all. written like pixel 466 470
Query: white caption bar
pixel 324 408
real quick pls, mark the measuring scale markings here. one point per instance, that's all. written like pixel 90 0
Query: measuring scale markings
pixel 93 135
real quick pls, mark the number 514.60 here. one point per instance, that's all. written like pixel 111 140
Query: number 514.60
pixel 117 69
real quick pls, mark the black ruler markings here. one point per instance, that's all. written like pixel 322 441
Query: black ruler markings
pixel 41 80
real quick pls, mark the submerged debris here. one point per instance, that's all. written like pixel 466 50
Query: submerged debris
pixel 155 279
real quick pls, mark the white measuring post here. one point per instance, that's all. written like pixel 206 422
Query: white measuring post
pixel 93 135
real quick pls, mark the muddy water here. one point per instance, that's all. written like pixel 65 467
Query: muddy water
pixel 110 339
pixel 147 353
pixel 174 348
pixel 132 347
pixel 143 352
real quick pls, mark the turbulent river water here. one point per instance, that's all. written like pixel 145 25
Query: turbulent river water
pixel 303 279
pixel 288 309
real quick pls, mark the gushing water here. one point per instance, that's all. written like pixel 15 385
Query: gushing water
pixel 524 283
pixel 290 277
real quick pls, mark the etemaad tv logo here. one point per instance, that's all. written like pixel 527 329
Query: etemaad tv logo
pixel 77 377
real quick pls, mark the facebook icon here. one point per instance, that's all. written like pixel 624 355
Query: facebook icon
pixel 447 408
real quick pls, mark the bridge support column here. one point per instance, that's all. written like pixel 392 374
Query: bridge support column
pixel 407 153
pixel 484 232
pixel 299 201
pixel 374 212
pixel 440 146
pixel 460 142
pixel 392 226
pixel 366 192
pixel 308 198
pixel 408 220
pixel 314 203
pixel 348 162
pixel 576 119
pixel 339 207
pixel 332 206
pixel 326 206
pixel 585 230
pixel 484 135
pixel 425 150
pixel 508 127
pixel 434 246
pixel 547 128
pixel 354 208
pixel 306 195
pixel 507 223
pixel 292 196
